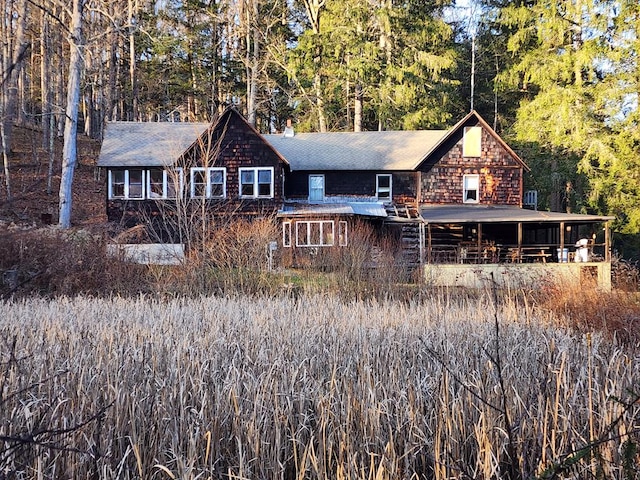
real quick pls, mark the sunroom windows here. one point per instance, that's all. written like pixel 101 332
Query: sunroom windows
pixel 314 233
pixel 256 182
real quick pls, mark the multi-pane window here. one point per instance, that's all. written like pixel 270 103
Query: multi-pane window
pixel 136 183
pixel 117 182
pixel 126 184
pixel 163 184
pixel 316 188
pixel 139 184
pixel 383 187
pixel 256 182
pixel 316 233
pixel 208 182
pixel 471 189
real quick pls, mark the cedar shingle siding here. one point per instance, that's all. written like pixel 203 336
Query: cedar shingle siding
pixel 500 175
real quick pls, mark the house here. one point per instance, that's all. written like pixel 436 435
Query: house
pixel 453 199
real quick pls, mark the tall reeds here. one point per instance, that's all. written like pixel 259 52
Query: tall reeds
pixel 313 388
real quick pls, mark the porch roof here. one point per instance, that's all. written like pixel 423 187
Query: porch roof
pixel 440 214
pixel 368 209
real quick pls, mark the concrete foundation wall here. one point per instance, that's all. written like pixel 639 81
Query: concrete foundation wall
pixel 148 254
pixel 522 275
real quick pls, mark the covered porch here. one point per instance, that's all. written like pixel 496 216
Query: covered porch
pixel 465 234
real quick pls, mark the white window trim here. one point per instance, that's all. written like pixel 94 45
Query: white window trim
pixel 286 234
pixel 307 225
pixel 323 179
pixel 126 196
pixel 255 170
pixel 342 233
pixel 384 189
pixel 207 171
pixel 465 189
pixel 167 179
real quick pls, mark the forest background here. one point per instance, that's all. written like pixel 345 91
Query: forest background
pixel 558 79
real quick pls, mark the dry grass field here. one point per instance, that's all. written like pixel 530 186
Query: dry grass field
pixel 451 387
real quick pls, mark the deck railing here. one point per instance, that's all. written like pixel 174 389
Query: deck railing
pixel 489 252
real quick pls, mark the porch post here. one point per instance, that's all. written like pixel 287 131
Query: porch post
pixel 429 250
pixel 479 239
pixel 607 242
pixel 519 235
pixel 421 242
pixel 562 227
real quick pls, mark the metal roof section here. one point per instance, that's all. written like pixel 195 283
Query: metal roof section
pixel 366 209
pixel 445 214
pixel 386 150
pixel 147 144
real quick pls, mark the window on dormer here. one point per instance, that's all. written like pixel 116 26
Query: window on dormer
pixel 472 142
pixel 471 189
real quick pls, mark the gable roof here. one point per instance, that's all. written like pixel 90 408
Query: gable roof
pixel 148 144
pixel 156 144
pixel 468 120
pixel 380 150
pixel 386 150
pixel 137 144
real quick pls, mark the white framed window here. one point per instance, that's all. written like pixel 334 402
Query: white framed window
pixel 127 184
pixel 472 142
pixel 164 184
pixel 383 187
pixel 314 233
pixel 471 189
pixel 342 233
pixel 316 188
pixel 286 234
pixel 208 182
pixel 256 182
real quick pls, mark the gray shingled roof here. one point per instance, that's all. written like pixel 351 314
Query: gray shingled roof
pixel 129 144
pixel 389 150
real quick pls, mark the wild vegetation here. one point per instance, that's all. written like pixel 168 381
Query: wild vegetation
pixel 220 368
pixel 452 386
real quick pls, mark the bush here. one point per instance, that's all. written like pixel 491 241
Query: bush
pixel 51 262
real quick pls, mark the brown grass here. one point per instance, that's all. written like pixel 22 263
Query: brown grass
pixel 311 387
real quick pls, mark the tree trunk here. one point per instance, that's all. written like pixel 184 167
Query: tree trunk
pixel 357 109
pixel 313 8
pixel 133 77
pixel 13 65
pixel 45 68
pixel 253 52
pixel 69 151
pixel 5 162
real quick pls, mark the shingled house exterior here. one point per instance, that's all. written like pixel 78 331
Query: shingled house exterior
pixel 452 198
